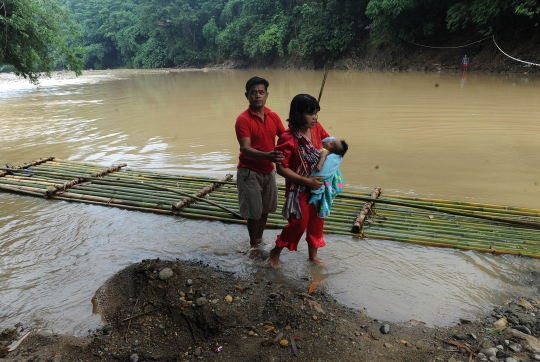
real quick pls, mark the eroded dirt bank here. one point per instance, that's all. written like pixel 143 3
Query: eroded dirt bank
pixel 174 310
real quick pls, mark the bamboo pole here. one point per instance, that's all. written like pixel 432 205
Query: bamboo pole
pixel 485 217
pixel 358 225
pixel 79 180
pixel 447 203
pixel 26 165
pixel 201 193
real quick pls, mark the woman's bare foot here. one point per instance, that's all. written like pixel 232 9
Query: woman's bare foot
pixel 273 260
pixel 318 261
pixel 313 256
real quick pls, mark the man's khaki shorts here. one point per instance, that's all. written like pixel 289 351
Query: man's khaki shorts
pixel 257 193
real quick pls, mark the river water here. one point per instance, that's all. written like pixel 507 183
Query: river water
pixel 471 138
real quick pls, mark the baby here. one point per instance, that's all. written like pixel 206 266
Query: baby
pixel 328 169
pixel 332 145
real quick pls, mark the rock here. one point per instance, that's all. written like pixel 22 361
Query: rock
pixel 524 304
pixel 502 354
pixel 535 357
pixel 197 352
pixel 385 329
pixel 489 352
pixel 228 299
pixel 515 347
pixel 422 345
pixel 107 330
pixel 510 359
pixel 134 357
pixel 522 329
pixel 284 343
pixel 530 343
pixel 526 319
pixel 165 273
pixel 460 337
pixel 202 301
pixel 328 324
pixel 388 345
pixel 266 342
pixel 189 282
pixel 501 323
pixel 486 343
pixel 468 320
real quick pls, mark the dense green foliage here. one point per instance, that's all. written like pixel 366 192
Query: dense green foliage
pixel 164 33
pixel 161 33
pixel 35 35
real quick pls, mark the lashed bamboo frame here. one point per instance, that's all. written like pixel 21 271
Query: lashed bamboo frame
pixel 449 224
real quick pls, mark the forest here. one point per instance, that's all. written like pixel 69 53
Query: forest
pixel 100 34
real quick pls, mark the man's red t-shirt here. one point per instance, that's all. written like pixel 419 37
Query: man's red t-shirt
pixel 262 134
pixel 289 146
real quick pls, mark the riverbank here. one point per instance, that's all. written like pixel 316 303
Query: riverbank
pixel 484 57
pixel 158 310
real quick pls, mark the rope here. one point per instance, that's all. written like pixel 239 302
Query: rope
pixel 518 60
pixel 461 46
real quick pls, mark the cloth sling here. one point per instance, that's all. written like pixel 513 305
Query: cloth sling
pixel 309 157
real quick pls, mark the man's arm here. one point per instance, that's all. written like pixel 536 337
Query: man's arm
pixel 248 151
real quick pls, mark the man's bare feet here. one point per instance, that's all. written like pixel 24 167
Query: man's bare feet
pixel 273 260
pixel 257 243
pixel 255 253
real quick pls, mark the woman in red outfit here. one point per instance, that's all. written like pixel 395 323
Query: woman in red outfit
pixel 300 145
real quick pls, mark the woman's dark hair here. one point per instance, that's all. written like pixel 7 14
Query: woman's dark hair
pixel 256 81
pixel 301 103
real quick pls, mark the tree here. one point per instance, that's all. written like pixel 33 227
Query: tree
pixel 35 36
pixel 507 18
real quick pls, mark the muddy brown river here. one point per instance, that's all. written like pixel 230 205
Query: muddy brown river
pixel 474 138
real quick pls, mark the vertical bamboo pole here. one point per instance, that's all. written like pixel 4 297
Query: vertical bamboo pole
pixel 358 226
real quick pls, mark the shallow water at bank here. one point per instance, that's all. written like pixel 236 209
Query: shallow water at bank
pixel 428 135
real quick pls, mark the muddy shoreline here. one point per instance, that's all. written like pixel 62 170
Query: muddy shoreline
pixel 159 310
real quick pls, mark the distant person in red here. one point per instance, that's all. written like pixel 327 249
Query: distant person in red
pixel 256 130
pixel 300 146
pixel 465 63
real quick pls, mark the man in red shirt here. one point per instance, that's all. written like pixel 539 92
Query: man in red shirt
pixel 256 130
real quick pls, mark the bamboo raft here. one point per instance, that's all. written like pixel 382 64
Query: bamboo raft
pixel 440 223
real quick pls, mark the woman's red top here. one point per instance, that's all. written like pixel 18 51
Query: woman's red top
pixel 289 146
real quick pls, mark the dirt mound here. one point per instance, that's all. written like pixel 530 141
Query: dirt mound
pixel 173 311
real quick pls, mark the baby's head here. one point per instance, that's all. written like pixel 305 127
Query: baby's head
pixel 337 146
